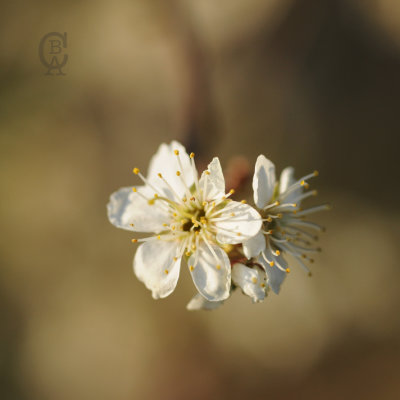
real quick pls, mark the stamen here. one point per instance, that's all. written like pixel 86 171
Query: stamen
pixel 177 198
pixel 312 210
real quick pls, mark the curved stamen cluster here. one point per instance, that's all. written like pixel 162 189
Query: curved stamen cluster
pixel 283 221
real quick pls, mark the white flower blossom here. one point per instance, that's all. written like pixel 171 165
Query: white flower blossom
pixel 284 231
pixel 190 218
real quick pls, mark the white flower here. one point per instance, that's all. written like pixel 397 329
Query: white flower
pixel 190 218
pixel 284 229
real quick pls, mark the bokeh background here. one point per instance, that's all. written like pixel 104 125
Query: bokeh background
pixel 309 83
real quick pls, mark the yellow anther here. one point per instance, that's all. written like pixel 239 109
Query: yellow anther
pixel 262 285
pixel 191 155
pixel 279 215
pixel 278 253
pixel 243 201
pixel 193 247
pixel 183 221
pixel 232 191
pixel 158 237
pixel 175 259
pixel 136 170
pixel 294 205
pixel 173 227
pixel 277 203
pixel 191 267
pixel 197 233
pixel 232 214
pixel 175 214
pixel 254 279
pixel 132 225
pixel 271 263
pixel 193 198
pixel 316 173
pixel 134 240
pixel 303 182
pixel 166 272
pixel 176 152
pixel 218 267
pixel 150 202
pixel 159 175
pixel 164 224
pixel 269 219
pixel 204 203
pixel 239 234
pixel 188 253
pixel 134 190
pixel 178 173
pixel 288 270
pixel 213 203
pixel 155 195
pixel 184 199
pixel 306 185
pixel 203 220
pixel 270 232
pixel 207 172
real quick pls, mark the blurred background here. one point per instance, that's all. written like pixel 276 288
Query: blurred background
pixel 309 83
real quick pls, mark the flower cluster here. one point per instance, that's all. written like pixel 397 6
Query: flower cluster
pixel 225 244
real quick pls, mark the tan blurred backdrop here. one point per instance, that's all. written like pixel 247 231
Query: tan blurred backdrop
pixel 310 83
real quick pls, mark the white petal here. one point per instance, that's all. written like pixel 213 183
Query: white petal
pixel 152 261
pixel 166 162
pixel 126 207
pixel 286 180
pixel 250 280
pixel 263 181
pixel 245 224
pixel 254 246
pixel 275 275
pixel 198 302
pixel 212 184
pixel 211 275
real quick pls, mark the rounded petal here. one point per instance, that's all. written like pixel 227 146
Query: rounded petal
pixel 126 207
pixel 155 266
pixel 212 181
pixel 237 228
pixel 211 272
pixel 254 246
pixel 263 181
pixel 275 275
pixel 166 162
pixel 198 302
pixel 250 280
